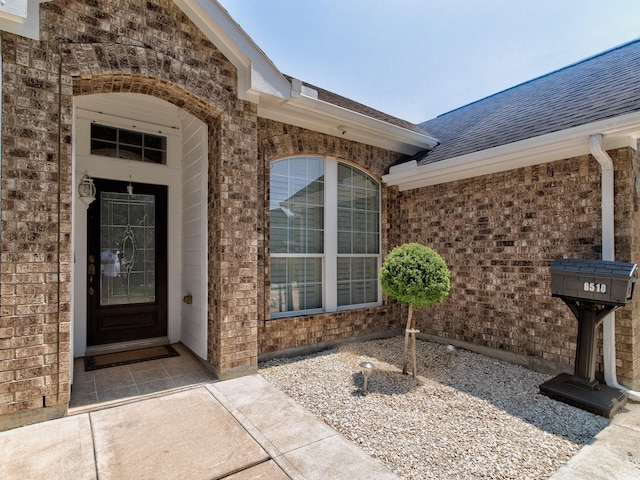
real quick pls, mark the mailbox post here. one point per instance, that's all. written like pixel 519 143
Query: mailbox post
pixel 592 289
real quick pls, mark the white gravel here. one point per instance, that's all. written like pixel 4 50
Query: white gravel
pixel 465 416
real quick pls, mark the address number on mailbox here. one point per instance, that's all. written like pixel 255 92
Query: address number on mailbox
pixel 595 287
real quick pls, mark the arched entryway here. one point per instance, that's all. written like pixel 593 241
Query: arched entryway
pixel 141 248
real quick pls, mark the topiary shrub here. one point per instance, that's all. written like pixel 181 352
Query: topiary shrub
pixel 416 275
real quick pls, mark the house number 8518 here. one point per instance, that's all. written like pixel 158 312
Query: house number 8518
pixel 595 287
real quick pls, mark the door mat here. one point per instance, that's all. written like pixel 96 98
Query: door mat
pixel 132 356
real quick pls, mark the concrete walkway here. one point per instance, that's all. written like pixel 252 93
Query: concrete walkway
pixel 238 429
pixel 613 455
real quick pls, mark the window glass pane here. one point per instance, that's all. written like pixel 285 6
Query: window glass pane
pixel 295 241
pixel 128 144
pixel 344 242
pixel 373 201
pixel 105 149
pixel 357 280
pixel 153 156
pixel 359 179
pixel 360 220
pixel 155 142
pixel 373 221
pixel 357 292
pixel 371 291
pixel 313 296
pixel 315 217
pixel 278 270
pixel 128 137
pixel 359 195
pixel 296 284
pixel 315 168
pixel 360 198
pixel 315 241
pixel 297 196
pixel 373 243
pixel 357 267
pixel 128 152
pixel 344 174
pixel 344 269
pixel 279 240
pixel 370 267
pixel 344 219
pixel 102 132
pixel 344 294
pixel 298 168
pixel 359 243
pixel 344 197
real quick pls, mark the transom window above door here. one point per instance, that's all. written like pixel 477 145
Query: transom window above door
pixel 128 144
pixel 324 236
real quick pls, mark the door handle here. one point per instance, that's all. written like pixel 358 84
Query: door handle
pixel 91 270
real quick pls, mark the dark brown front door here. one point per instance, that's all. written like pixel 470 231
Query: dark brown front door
pixel 127 263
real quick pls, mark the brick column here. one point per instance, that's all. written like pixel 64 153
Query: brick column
pixel 234 206
pixel 36 232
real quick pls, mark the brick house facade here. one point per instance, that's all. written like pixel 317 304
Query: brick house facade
pixel 186 69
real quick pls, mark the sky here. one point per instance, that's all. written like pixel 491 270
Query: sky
pixel 416 59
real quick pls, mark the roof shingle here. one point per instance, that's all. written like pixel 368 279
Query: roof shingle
pixel 603 86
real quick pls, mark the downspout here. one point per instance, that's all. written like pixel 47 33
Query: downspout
pixel 608 249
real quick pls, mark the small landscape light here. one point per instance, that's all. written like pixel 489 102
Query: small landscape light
pixel 452 349
pixel 367 370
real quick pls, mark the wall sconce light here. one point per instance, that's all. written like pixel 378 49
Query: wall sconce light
pixel 86 190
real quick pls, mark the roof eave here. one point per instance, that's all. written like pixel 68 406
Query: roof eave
pixel 618 132
pixel 23 24
pixel 259 81
pixel 257 75
pixel 307 111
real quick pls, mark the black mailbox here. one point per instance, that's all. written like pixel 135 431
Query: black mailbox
pixel 592 289
pixel 597 281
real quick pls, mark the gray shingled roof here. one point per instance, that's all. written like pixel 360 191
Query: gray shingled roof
pixel 340 101
pixel 603 86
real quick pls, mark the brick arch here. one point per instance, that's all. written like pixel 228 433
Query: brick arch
pixel 114 68
pixel 277 140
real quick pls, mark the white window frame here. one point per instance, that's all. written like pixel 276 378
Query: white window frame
pixel 330 255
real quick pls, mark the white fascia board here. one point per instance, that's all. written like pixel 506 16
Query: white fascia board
pixel 23 20
pixel 256 73
pixel 305 110
pixel 15 9
pixel 259 81
pixel 617 132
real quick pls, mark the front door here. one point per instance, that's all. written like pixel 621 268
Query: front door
pixel 127 262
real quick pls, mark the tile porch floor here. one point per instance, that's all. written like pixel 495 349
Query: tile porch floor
pixel 126 382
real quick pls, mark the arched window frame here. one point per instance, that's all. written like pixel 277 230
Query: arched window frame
pixel 345 277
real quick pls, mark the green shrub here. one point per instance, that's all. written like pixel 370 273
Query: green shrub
pixel 416 275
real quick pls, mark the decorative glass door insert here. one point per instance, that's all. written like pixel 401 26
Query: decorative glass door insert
pixel 127 248
pixel 127 263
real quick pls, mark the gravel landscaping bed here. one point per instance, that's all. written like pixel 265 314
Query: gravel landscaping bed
pixel 465 416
